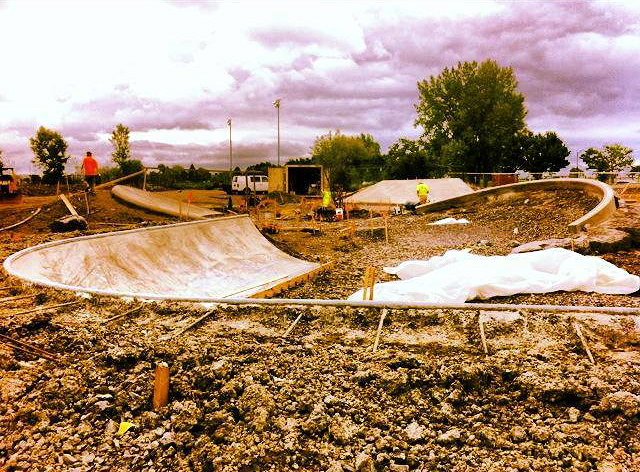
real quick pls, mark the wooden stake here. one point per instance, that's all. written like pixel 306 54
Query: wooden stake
pixel 482 336
pixel 86 202
pixel 583 340
pixel 386 228
pixel 368 281
pixel 291 326
pixel 144 180
pixel 380 323
pixel 161 386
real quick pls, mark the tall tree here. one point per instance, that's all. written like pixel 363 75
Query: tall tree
pixel 542 152
pixel 409 159
pixel 472 115
pixel 50 151
pixel 345 158
pixel 611 158
pixel 120 141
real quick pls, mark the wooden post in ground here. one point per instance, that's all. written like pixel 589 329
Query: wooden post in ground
pixel 86 202
pixel 482 336
pixel 386 227
pixel 144 180
pixel 583 340
pixel 368 281
pixel 380 323
pixel 161 386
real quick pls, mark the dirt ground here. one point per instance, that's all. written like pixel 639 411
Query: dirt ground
pixel 243 398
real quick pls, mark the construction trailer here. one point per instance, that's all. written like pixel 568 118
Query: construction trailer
pixel 9 184
pixel 298 179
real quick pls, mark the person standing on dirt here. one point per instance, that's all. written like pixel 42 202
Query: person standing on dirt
pixel 90 168
pixel 423 193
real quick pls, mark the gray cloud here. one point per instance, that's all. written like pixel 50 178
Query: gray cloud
pixel 571 59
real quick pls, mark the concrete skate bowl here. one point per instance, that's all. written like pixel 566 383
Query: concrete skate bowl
pixel 161 204
pixel 400 192
pixel 193 261
pixel 601 212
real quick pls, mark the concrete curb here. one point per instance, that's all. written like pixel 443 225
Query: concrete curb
pixel 601 212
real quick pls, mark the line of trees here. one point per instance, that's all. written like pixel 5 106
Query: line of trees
pixel 472 118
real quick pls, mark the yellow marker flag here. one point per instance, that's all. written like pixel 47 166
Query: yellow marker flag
pixel 124 427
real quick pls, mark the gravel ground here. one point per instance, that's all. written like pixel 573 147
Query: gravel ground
pixel 243 398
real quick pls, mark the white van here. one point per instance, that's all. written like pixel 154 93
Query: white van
pixel 250 183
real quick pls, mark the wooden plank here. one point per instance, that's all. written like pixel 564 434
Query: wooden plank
pixel 68 204
pixel 293 281
pixel 115 181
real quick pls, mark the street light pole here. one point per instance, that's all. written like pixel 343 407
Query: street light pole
pixel 276 104
pixel 230 149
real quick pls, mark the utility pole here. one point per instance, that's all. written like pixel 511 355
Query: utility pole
pixel 230 151
pixel 276 104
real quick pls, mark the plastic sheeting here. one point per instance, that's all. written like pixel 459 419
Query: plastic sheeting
pixel 459 276
pixel 450 221
pixel 399 192
pixel 223 257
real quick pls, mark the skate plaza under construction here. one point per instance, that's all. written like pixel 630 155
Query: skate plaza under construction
pixel 491 329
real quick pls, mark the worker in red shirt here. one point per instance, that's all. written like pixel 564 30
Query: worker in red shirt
pixel 90 167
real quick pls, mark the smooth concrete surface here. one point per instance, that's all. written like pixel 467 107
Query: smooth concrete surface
pixel 601 212
pixel 400 192
pixel 161 204
pixel 210 259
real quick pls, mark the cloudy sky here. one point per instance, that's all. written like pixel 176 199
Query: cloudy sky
pixel 174 71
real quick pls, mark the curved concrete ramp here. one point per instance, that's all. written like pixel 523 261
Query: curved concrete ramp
pixel 161 204
pixel 199 260
pixel 601 212
pixel 399 192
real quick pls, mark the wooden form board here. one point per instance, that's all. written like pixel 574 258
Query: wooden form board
pixel 293 281
pixel 68 204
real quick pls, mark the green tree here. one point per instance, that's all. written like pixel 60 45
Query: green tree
pixel 472 115
pixel 542 152
pixel 344 158
pixel 120 141
pixel 611 158
pixel 50 151
pixel 261 167
pixel 409 159
pixel 300 161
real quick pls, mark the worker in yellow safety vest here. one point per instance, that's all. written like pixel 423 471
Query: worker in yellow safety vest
pixel 423 192
pixel 326 198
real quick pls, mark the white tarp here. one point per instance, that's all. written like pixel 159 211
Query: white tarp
pixel 450 221
pixel 458 276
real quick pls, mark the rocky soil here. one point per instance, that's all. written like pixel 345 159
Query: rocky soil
pixel 243 398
